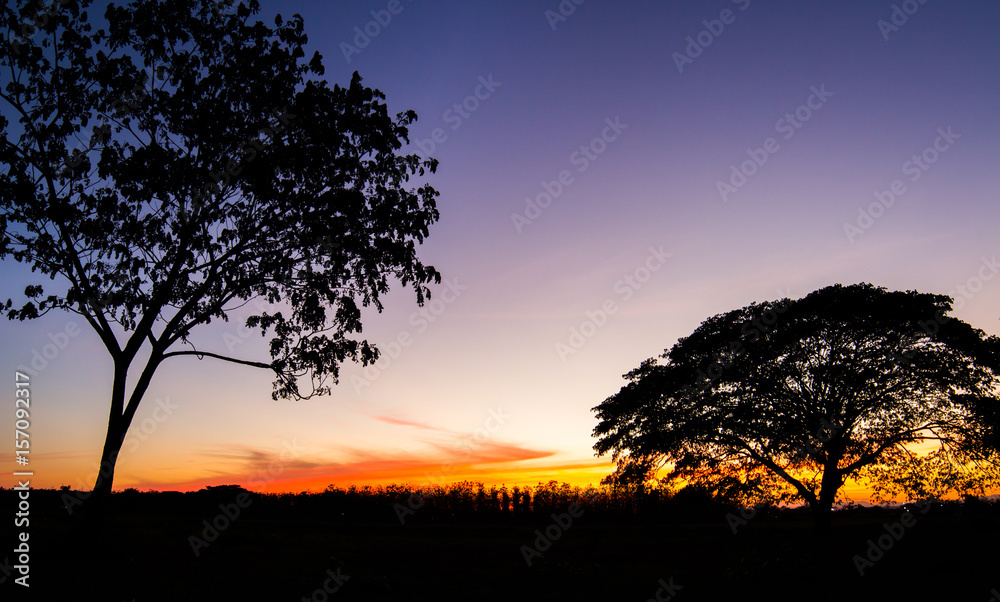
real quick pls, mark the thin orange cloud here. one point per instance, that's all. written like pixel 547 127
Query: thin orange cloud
pixel 402 422
pixel 265 470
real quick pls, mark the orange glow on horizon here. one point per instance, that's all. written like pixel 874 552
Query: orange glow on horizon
pixel 417 473
pixel 493 464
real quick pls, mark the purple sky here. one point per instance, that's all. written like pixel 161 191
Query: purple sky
pixel 836 109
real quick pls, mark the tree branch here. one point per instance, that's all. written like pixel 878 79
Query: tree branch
pixel 200 354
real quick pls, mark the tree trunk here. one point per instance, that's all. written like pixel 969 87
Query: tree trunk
pixel 95 505
pixel 119 420
pixel 822 511
pixel 106 473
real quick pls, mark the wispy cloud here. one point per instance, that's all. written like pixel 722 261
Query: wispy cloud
pixel 254 467
pixel 402 422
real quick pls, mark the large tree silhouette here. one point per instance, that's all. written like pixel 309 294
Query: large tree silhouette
pixel 179 162
pixel 785 400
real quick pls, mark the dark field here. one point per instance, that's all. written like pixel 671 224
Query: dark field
pixel 285 548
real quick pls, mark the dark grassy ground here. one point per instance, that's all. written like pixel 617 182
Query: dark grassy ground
pixel 263 555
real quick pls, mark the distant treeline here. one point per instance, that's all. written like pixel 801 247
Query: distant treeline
pixel 464 501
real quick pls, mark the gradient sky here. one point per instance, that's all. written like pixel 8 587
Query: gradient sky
pixel 482 390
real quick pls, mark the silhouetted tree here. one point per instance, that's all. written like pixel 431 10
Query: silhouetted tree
pixel 494 499
pixel 481 499
pixel 785 400
pixel 214 172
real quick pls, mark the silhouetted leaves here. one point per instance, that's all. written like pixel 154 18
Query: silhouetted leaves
pixel 785 400
pixel 180 161
pixel 215 172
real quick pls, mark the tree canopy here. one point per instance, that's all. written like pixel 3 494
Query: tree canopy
pixel 786 400
pixel 180 161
